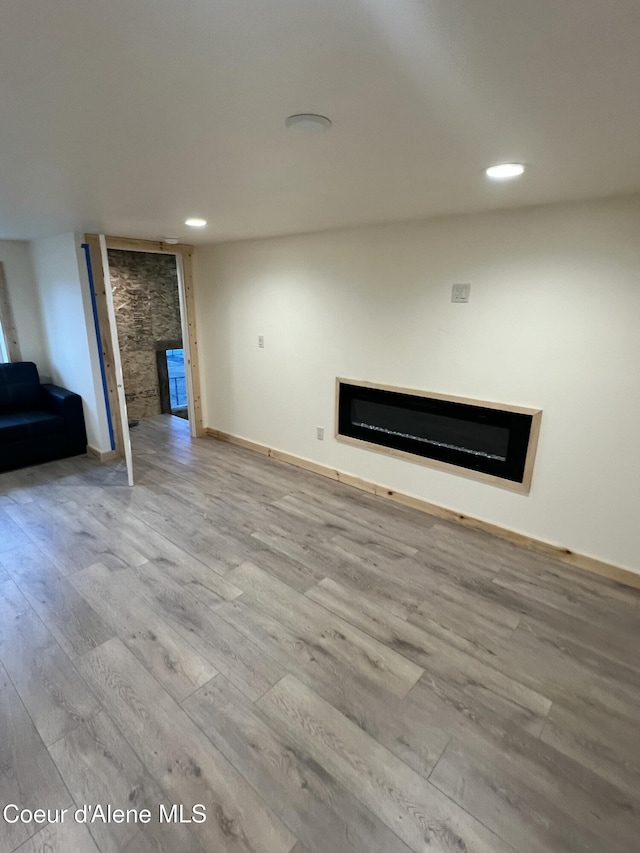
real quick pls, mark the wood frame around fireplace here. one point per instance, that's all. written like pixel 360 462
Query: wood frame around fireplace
pixel 522 486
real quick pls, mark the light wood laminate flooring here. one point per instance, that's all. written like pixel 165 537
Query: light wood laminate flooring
pixel 325 671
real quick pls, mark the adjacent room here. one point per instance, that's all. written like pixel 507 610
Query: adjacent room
pixel 319 393
pixel 147 310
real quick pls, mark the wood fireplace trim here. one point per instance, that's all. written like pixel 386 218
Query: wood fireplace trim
pixel 523 487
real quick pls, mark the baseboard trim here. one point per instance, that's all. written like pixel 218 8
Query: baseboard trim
pixel 101 455
pixel 564 555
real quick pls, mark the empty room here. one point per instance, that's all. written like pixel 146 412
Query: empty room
pixel 319 402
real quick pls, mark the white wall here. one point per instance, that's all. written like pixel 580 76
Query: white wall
pixel 69 334
pixel 553 322
pixel 23 295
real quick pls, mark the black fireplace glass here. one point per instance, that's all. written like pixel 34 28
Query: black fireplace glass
pixel 493 441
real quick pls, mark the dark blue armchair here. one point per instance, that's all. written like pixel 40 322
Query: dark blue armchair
pixel 38 423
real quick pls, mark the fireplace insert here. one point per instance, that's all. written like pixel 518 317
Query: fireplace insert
pixel 485 439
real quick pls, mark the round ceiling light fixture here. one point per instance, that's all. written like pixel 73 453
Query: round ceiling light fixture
pixel 504 171
pixel 308 123
pixel 194 222
pixel 171 240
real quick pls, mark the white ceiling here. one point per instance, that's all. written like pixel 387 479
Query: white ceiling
pixel 127 116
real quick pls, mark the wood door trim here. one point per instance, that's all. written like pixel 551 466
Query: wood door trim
pixel 93 241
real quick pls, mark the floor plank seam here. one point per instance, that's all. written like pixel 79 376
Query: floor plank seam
pixel 248 782
pixel 446 747
pixel 475 817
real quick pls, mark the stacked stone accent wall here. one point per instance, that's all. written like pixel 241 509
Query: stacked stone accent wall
pixel 145 294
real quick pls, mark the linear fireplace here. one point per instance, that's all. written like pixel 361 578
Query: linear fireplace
pixel 489 441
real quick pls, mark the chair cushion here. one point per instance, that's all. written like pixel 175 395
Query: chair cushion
pixel 16 426
pixel 19 387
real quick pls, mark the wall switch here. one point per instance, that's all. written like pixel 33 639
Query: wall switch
pixel 320 433
pixel 460 292
pixel 261 341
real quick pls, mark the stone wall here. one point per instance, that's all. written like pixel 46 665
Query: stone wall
pixel 145 294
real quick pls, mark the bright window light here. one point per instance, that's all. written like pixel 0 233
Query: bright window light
pixel 4 353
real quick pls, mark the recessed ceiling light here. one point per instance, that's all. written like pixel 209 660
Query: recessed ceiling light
pixel 195 222
pixel 171 240
pixel 504 171
pixel 308 123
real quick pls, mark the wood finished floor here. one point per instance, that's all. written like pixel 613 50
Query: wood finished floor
pixel 325 671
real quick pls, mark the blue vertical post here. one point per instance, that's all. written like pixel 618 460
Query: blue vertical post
pixel 96 323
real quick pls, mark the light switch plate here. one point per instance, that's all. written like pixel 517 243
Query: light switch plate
pixel 460 292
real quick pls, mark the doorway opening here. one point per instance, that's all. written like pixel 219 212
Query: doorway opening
pixel 172 379
pixel 177 382
pixel 147 334
pixel 149 321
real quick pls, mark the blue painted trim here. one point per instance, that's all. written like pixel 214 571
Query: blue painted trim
pixel 96 322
